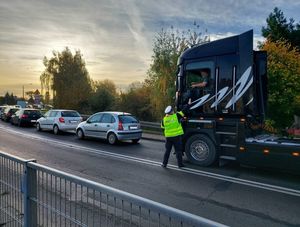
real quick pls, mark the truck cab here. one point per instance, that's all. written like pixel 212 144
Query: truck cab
pixel 226 116
pixel 237 78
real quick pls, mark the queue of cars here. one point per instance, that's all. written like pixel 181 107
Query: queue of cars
pixel 109 125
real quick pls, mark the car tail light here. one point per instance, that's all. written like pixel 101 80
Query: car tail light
pixel 120 126
pixel 61 120
pixel 24 116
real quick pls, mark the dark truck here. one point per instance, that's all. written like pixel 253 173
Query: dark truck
pixel 226 117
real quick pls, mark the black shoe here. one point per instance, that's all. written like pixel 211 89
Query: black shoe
pixel 180 166
pixel 163 165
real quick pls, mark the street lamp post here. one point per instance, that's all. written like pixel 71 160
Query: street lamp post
pixel 23 87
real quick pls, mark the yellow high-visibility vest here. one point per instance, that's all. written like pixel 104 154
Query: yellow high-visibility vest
pixel 171 125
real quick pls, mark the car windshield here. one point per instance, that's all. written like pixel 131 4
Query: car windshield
pixel 70 114
pixel 128 119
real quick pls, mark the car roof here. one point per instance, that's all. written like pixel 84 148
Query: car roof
pixel 62 110
pixel 13 108
pixel 29 109
pixel 114 112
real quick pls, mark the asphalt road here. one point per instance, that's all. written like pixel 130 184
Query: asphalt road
pixel 231 195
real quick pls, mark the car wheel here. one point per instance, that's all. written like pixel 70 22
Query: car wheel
pixel 200 150
pixel 112 138
pixel 135 141
pixel 55 130
pixel 19 123
pixel 38 127
pixel 80 134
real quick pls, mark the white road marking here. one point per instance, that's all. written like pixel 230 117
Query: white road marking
pixel 235 180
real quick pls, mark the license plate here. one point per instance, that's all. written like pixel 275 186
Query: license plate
pixel 73 121
pixel 33 121
pixel 133 127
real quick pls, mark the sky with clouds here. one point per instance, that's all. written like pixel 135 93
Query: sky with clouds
pixel 115 37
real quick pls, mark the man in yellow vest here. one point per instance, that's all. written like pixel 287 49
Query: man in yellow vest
pixel 173 132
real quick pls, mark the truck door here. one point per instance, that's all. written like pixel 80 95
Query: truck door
pixel 234 74
pixel 227 66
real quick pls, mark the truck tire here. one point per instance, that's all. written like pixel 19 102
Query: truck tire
pixel 200 150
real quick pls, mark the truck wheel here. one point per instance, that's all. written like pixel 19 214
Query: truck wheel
pixel 201 150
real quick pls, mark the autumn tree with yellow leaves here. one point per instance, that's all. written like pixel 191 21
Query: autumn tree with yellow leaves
pixel 283 81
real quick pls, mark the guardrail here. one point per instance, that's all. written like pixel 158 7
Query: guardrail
pixel 36 195
pixel 151 127
pixel 150 124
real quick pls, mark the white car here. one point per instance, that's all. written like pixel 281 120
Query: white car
pixel 59 120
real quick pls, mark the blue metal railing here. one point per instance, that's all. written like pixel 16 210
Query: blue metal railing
pixel 36 195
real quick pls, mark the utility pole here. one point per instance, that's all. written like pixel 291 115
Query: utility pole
pixel 23 86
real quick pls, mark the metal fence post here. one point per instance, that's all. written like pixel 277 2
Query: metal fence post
pixel 30 192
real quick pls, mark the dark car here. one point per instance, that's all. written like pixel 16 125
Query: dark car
pixel 8 112
pixel 25 117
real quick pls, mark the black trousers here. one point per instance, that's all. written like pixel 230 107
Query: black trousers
pixel 175 141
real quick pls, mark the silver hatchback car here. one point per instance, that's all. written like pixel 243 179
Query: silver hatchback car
pixel 113 126
pixel 59 120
